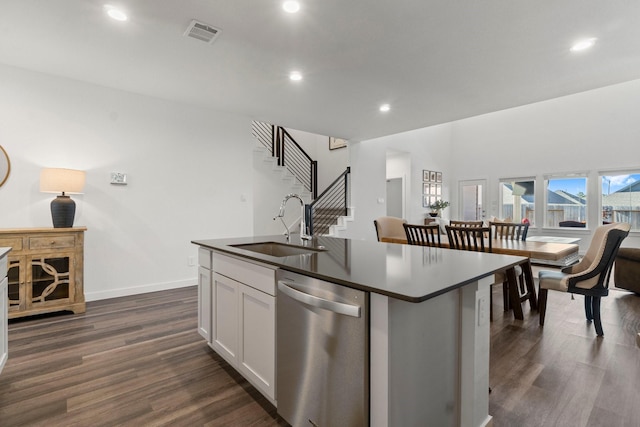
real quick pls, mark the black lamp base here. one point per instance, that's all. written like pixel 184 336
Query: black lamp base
pixel 63 210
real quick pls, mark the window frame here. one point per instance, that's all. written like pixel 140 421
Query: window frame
pixel 601 195
pixel 511 180
pixel 587 204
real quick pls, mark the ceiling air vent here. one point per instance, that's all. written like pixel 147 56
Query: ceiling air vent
pixel 202 31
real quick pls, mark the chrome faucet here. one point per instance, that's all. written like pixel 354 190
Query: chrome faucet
pixel 303 220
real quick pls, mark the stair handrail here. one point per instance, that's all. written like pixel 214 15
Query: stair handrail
pixel 280 143
pixel 297 166
pixel 338 189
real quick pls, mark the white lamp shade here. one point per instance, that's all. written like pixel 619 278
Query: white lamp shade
pixel 68 181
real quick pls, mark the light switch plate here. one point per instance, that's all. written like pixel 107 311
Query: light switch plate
pixel 118 178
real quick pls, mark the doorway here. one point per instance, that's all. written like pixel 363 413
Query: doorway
pixel 472 196
pixel 395 197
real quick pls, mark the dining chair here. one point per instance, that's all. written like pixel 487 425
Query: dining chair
pixel 511 231
pixel 389 227
pixel 469 238
pixel 473 238
pixel 590 276
pixel 423 235
pixel 455 223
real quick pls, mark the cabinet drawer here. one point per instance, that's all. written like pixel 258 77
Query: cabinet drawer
pixel 11 242
pixel 52 242
pixel 254 275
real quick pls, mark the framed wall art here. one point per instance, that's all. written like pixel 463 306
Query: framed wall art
pixel 5 166
pixel 335 143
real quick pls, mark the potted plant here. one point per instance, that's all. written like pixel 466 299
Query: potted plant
pixel 437 206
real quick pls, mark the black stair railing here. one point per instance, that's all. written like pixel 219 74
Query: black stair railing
pixel 289 154
pixel 331 204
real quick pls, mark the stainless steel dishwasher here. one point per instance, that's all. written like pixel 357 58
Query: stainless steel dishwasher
pixel 322 352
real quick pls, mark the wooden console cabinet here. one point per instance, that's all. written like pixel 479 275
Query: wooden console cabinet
pixel 45 270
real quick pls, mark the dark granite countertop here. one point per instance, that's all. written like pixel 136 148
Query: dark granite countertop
pixel 410 273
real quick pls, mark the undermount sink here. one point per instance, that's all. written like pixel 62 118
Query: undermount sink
pixel 276 249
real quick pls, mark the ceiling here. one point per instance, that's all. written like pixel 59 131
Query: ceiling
pixel 433 61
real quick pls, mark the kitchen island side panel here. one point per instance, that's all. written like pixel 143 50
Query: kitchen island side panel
pixel 429 361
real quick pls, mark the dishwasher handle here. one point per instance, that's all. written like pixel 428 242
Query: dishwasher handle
pixel 334 306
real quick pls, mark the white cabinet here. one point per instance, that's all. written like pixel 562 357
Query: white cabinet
pixel 224 318
pixel 204 293
pixel 4 312
pixel 243 319
pixel 204 303
pixel 256 346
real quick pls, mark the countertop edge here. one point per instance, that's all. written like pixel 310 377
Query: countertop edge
pixel 273 261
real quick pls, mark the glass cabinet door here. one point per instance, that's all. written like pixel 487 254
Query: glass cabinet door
pixel 50 278
pixel 16 275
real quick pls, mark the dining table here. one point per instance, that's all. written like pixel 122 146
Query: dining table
pixel 539 252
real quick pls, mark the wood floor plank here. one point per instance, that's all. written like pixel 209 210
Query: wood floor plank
pixel 138 361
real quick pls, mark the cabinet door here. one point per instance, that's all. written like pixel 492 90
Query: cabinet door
pixel 51 277
pixel 17 297
pixel 204 303
pixel 256 354
pixel 224 318
pixel 4 343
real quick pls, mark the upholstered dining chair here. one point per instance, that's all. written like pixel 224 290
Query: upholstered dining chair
pixel 389 227
pixel 589 277
pixel 423 235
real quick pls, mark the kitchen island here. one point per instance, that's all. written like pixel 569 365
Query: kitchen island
pixel 428 319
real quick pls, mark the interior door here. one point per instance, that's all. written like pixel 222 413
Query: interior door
pixel 472 205
pixel 395 197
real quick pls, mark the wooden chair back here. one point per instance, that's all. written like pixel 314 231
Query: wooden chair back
pixel 509 230
pixel 465 223
pixel 469 238
pixel 423 235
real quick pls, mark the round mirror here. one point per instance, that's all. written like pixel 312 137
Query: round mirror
pixel 5 166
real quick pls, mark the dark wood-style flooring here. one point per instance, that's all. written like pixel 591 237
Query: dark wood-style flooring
pixel 138 361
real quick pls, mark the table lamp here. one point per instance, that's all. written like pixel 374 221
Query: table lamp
pixel 65 181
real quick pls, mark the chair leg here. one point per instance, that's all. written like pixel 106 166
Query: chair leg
pixel 542 304
pixel 597 322
pixel 587 307
pixel 505 296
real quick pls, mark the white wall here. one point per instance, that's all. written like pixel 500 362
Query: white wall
pixel 430 149
pixel 187 168
pixel 587 132
pixel 331 163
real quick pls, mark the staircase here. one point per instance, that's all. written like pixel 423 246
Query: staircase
pixel 325 214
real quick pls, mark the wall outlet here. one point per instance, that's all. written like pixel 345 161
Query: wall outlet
pixel 191 261
pixel 482 311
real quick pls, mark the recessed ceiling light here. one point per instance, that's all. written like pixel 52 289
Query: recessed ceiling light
pixel 291 6
pixel 295 76
pixel 115 13
pixel 384 108
pixel 583 44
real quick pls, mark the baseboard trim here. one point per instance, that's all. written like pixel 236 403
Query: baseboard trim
pixel 135 290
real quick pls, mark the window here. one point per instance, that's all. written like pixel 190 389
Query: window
pixel 566 199
pixel 517 198
pixel 621 198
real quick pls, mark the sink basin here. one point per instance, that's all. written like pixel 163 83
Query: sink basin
pixel 276 249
